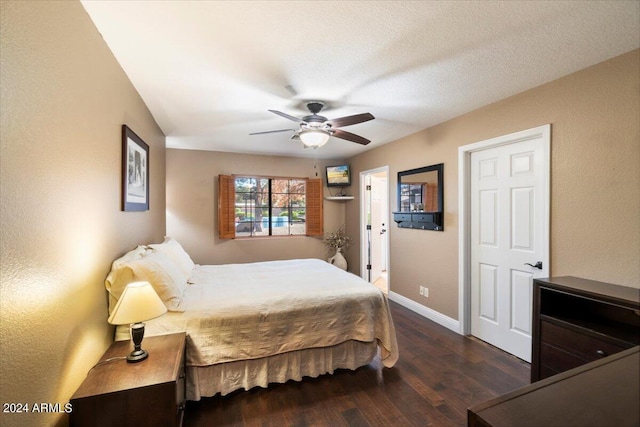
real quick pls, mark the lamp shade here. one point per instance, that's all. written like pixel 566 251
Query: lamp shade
pixel 139 302
pixel 314 138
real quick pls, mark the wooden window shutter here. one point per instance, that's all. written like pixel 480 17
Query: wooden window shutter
pixel 226 207
pixel 314 216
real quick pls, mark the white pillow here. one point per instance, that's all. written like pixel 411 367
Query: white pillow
pixel 164 275
pixel 136 253
pixel 178 255
pixel 119 275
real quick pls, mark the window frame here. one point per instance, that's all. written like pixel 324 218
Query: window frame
pixel 313 196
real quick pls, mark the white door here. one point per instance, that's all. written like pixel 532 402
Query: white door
pixel 509 189
pixel 378 216
pixel 375 198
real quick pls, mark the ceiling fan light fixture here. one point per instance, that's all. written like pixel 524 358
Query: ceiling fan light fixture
pixel 314 138
pixel 315 130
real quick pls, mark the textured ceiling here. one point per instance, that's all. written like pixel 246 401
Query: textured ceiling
pixel 210 70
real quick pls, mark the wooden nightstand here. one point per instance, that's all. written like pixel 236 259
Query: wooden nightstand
pixel 147 393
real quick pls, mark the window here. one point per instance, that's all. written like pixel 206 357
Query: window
pixel 411 196
pixel 419 197
pixel 260 206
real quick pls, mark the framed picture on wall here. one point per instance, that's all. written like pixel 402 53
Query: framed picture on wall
pixel 135 172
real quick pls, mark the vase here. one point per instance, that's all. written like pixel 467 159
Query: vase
pixel 338 260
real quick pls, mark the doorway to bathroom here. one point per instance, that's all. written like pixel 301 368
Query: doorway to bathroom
pixel 374 197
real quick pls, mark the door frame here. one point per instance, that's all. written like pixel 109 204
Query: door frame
pixel 363 222
pixel 464 205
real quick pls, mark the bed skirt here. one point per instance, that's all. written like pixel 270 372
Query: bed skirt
pixel 223 378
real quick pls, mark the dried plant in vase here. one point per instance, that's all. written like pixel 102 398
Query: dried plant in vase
pixel 338 241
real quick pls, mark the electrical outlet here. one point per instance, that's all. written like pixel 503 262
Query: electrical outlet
pixel 424 291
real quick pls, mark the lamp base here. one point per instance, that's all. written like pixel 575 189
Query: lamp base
pixel 137 334
pixel 137 356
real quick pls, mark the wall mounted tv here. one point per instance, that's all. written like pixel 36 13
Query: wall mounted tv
pixel 338 176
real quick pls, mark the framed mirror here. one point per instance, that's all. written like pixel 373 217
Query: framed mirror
pixel 421 198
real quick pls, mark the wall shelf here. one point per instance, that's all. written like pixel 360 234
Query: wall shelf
pixel 419 220
pixel 339 198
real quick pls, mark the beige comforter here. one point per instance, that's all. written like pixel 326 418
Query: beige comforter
pixel 249 311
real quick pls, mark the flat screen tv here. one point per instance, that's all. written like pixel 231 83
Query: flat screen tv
pixel 338 176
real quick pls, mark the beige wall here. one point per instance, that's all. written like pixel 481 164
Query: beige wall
pixel 64 99
pixel 192 206
pixel 595 189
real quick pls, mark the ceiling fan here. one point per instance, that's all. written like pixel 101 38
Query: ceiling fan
pixel 315 129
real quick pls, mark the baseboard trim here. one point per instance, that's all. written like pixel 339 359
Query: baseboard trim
pixel 427 312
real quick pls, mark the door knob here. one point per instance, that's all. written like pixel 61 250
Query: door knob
pixel 538 265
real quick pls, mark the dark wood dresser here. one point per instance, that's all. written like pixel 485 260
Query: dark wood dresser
pixel 576 321
pixel 605 392
pixel 146 393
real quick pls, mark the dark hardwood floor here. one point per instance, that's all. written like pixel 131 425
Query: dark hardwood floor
pixel 439 375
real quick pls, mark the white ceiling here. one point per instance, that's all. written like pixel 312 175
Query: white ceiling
pixel 209 70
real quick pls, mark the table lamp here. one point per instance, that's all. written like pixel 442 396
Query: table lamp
pixel 139 302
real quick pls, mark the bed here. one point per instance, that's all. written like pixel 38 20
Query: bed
pixel 253 324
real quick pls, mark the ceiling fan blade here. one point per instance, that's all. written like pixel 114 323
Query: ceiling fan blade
pixel 350 120
pixel 291 90
pixel 273 131
pixel 338 133
pixel 286 116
